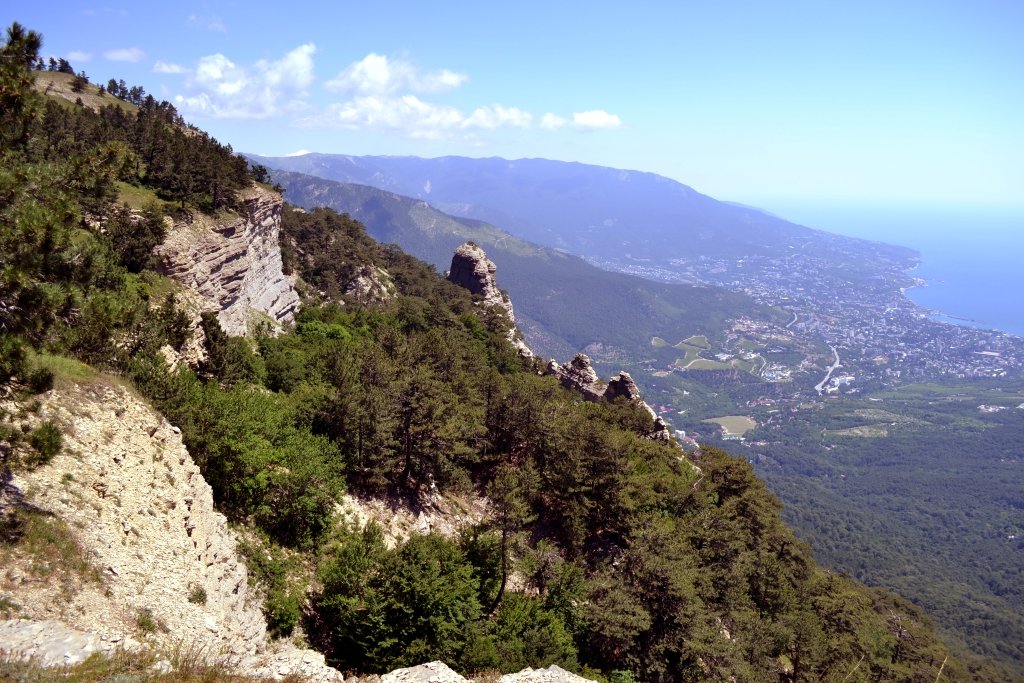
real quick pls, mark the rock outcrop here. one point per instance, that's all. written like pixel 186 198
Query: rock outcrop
pixel 136 504
pixel 624 387
pixel 578 375
pixel 234 265
pixel 439 672
pixel 551 674
pixel 371 286
pixel 472 270
pixel 142 512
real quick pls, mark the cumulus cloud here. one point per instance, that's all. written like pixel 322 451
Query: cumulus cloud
pixel 552 121
pixel 497 116
pixel 595 119
pixel 412 117
pixel 222 89
pixel 162 67
pixel 378 74
pixel 125 54
pixel 407 115
pixel 79 56
pixel 385 94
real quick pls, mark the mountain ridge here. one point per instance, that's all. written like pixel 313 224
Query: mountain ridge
pixel 587 209
pixel 563 304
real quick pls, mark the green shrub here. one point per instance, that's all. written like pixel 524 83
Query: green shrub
pixel 144 620
pixel 40 380
pixel 47 441
pixel 197 595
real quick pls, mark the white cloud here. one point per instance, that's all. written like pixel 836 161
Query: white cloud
pixel 498 116
pixel 298 153
pixel 595 119
pixel 407 115
pixel 378 74
pixel 210 23
pixel 412 117
pixel 552 121
pixel 162 67
pixel 222 89
pixel 79 56
pixel 125 54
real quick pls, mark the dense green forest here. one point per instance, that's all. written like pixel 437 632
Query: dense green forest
pixel 603 550
pixel 913 489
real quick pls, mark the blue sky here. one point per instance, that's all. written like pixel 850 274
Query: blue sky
pixel 768 103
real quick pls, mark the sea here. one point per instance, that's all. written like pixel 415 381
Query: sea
pixel 971 259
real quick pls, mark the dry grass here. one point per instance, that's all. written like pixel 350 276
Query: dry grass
pixel 58 86
pixel 125 667
pixel 45 544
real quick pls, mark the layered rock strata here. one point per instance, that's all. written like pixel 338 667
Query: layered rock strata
pixel 235 265
pixel 578 375
pixel 472 270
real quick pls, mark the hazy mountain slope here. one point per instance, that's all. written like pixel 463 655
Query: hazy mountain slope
pixel 585 209
pixel 563 303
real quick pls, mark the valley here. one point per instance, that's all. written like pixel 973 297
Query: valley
pixel 845 378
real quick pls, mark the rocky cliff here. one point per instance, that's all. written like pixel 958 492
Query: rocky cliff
pixel 234 264
pixel 472 270
pixel 578 375
pixel 160 567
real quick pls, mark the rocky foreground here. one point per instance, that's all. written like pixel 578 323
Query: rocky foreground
pixel 127 491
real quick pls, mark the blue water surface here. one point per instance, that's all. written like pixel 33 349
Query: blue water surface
pixel 972 259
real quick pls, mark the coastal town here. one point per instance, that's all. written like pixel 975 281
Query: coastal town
pixel 855 305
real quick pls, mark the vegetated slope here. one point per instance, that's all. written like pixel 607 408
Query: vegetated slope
pixel 564 304
pixel 634 560
pixel 936 503
pixel 585 209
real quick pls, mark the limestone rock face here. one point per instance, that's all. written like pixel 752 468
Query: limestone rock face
pixel 622 386
pixel 235 266
pixel 132 498
pixel 371 286
pixel 578 375
pixel 472 270
pixel 144 515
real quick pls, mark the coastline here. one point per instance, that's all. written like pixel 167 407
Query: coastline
pixel 939 316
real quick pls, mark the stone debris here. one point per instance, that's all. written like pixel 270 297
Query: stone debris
pixel 53 644
pixel 307 665
pixel 432 672
pixel 552 674
pixel 142 513
pixel 445 514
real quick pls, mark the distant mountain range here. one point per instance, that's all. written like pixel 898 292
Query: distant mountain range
pixel 584 209
pixel 563 304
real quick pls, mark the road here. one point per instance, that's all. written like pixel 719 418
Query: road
pixel 820 386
